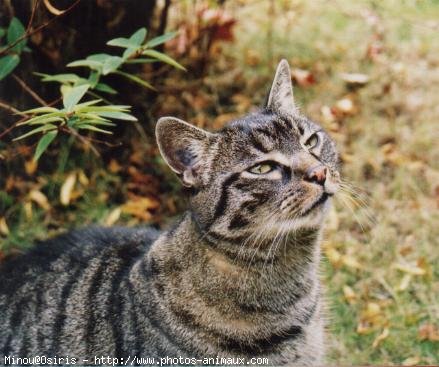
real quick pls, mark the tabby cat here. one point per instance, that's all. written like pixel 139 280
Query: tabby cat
pixel 236 277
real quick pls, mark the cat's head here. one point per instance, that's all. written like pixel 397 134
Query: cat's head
pixel 268 171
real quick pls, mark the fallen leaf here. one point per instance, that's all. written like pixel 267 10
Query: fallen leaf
pixel 328 116
pixel 30 166
pixel 27 206
pixel 411 361
pixel 333 256
pixel 405 281
pixel 83 179
pixel 140 207
pixel 355 78
pixel 302 77
pixel 351 262
pixel 4 229
pixel 429 332
pixel 384 334
pixel 114 166
pixel 67 188
pixel 345 106
pixel 410 269
pixel 349 294
pixel 38 197
pixel 113 217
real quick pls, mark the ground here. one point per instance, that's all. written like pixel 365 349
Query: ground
pixel 381 248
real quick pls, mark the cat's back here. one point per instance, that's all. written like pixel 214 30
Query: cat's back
pixel 61 277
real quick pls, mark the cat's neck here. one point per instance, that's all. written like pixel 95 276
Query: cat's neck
pixel 286 273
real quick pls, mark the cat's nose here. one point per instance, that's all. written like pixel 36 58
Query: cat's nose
pixel 316 174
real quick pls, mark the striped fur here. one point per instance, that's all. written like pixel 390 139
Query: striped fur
pixel 236 277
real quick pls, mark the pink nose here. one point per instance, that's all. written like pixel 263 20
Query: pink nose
pixel 316 175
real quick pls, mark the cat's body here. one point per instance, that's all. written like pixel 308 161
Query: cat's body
pixel 236 277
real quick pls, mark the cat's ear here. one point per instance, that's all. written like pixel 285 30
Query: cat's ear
pixel 281 97
pixel 183 147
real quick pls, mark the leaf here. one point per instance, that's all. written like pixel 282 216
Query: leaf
pixel 302 77
pixel 102 87
pixel 38 197
pixel 41 110
pixel 428 332
pixel 129 52
pixel 40 129
pixel 349 294
pixel 4 229
pixel 161 39
pixel 44 143
pixel 355 78
pixel 15 31
pixel 138 37
pixel 67 188
pixel 7 64
pixel 61 78
pixel 111 64
pixel 71 98
pixel 87 126
pixel 95 65
pixel 411 361
pixel 136 79
pixel 141 60
pixel 101 58
pixel 121 42
pixel 118 116
pixel 113 217
pixel 164 58
pixel 384 334
pixel 410 269
pixel 93 79
pixel 44 119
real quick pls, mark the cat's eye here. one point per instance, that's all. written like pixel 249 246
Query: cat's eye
pixel 261 169
pixel 312 141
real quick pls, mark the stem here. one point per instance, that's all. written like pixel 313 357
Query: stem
pixel 39 28
pixel 29 90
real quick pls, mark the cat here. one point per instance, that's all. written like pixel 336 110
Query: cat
pixel 236 277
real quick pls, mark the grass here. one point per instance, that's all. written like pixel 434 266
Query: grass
pixel 381 263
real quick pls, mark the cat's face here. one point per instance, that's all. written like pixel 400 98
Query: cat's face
pixel 268 172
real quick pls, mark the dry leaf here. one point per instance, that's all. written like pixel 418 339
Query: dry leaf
pixel 38 197
pixel 4 229
pixel 411 361
pixel 355 78
pixel 114 166
pixel 328 115
pixel 333 256
pixel 66 189
pixel 302 77
pixel 345 106
pixel 351 262
pixel 27 206
pixel 83 179
pixel 30 167
pixel 140 207
pixel 384 334
pixel 405 281
pixel 349 294
pixel 113 217
pixel 410 269
pixel 428 332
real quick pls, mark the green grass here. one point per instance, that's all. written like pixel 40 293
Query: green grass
pixel 389 147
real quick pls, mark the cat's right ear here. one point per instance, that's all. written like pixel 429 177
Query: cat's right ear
pixel 183 147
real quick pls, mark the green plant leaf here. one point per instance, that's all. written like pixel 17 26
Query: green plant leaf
pixel 79 106
pixel 121 42
pixel 111 64
pixel 93 79
pixel 138 37
pixel 15 31
pixel 7 64
pixel 93 128
pixel 60 78
pixel 102 87
pixel 41 120
pixel 2 32
pixel 97 122
pixel 164 58
pixel 42 110
pixel 142 60
pixel 37 130
pixel 102 57
pixel 94 65
pixel 136 79
pixel 129 52
pixel 160 39
pixel 44 143
pixel 72 97
pixel 118 116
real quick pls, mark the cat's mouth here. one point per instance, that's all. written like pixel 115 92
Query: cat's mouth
pixel 317 204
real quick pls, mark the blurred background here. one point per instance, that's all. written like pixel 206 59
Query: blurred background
pixel 368 71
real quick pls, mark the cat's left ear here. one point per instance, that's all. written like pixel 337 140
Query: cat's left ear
pixel 281 97
pixel 184 148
